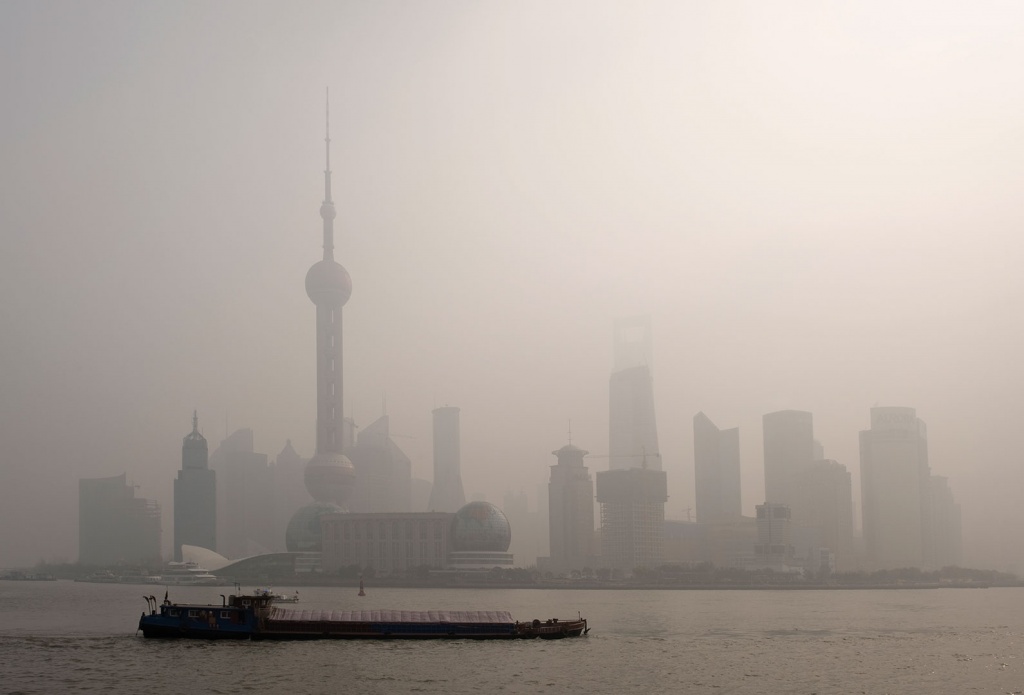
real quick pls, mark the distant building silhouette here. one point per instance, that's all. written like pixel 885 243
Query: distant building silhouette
pixel 530 536
pixel 420 494
pixel 774 546
pixel 910 516
pixel 788 455
pixel 716 459
pixel 383 480
pixel 195 495
pixel 944 525
pixel 115 526
pixel 632 427
pixel 894 481
pixel 571 511
pixel 246 497
pixel 632 518
pixel 447 494
pixel 633 492
pixel 290 492
pixel 330 475
pixel 830 510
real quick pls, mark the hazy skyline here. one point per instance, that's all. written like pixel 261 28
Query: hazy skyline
pixel 817 205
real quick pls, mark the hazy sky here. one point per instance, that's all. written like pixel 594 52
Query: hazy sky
pixel 818 204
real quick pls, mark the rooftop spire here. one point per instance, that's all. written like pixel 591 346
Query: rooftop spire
pixel 195 421
pixel 327 212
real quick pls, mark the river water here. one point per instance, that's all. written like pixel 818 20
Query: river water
pixel 66 637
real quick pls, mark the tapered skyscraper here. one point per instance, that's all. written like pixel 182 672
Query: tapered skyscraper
pixel 632 429
pixel 329 474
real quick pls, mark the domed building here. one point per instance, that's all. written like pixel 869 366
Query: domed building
pixel 480 535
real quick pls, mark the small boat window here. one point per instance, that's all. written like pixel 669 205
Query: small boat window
pixel 225 614
pixel 247 603
pixel 173 613
pixel 193 614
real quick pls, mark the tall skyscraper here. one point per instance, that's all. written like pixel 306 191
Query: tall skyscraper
pixel 716 458
pixel 246 497
pixel 114 525
pixel 447 494
pixel 632 428
pixel 788 455
pixel 894 487
pixel 195 495
pixel 571 511
pixel 633 492
pixel 831 510
pixel 329 474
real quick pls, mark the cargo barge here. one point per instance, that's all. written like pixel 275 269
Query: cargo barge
pixel 255 617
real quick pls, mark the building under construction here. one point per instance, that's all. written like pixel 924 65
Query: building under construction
pixel 632 517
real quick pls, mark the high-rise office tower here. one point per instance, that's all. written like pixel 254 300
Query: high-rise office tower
pixel 289 486
pixel 447 494
pixel 632 428
pixel 570 510
pixel 716 458
pixel 195 495
pixel 788 455
pixel 114 525
pixel 894 487
pixel 383 471
pixel 246 497
pixel 329 474
pixel 830 510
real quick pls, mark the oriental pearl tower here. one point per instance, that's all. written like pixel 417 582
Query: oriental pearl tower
pixel 329 474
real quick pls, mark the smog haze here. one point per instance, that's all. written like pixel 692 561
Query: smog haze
pixel 817 205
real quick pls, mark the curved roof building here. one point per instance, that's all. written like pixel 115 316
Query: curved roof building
pixel 480 536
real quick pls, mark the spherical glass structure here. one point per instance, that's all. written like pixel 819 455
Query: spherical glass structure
pixel 303 533
pixel 480 526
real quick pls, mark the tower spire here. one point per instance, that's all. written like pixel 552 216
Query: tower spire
pixel 195 421
pixel 327 212
pixel 327 140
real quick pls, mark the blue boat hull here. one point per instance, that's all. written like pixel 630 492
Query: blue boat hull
pixel 251 617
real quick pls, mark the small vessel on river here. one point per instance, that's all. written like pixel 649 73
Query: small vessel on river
pixel 279 598
pixel 255 617
pixel 188 574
